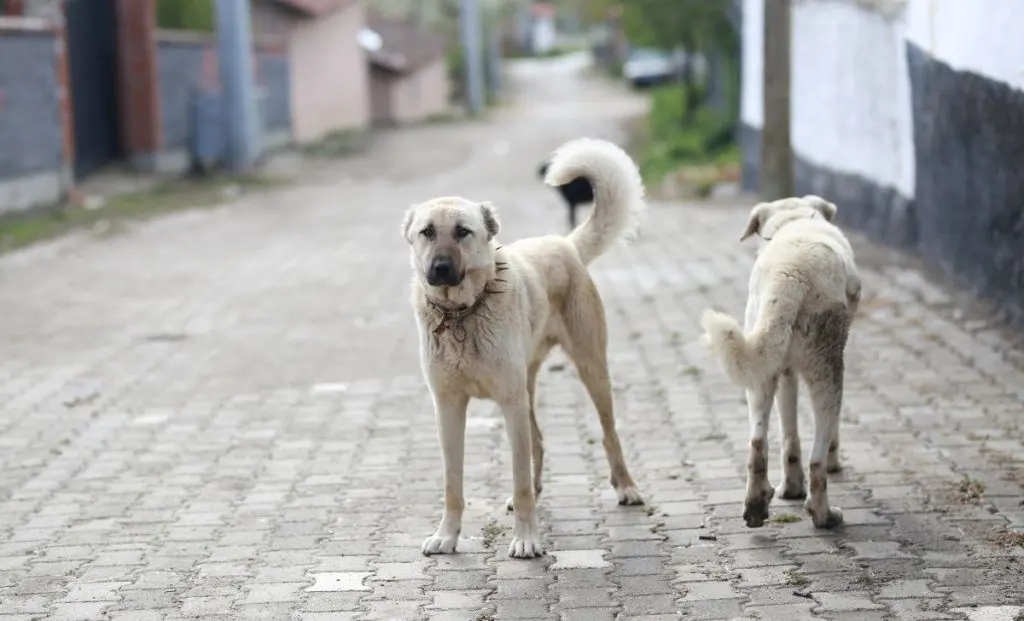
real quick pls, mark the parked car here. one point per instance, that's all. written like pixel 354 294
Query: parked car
pixel 649 66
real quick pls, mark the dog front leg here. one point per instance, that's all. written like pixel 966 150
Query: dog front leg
pixel 450 412
pixel 526 542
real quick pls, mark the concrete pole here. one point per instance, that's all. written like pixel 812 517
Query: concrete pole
pixel 241 113
pixel 469 21
pixel 494 45
pixel 776 151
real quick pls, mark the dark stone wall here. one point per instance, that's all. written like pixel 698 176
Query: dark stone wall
pixel 275 79
pixel 31 128
pixel 967 215
pixel 750 148
pixel 179 66
pixel 969 141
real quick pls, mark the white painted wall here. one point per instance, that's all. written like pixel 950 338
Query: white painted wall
pixel 983 36
pixel 851 100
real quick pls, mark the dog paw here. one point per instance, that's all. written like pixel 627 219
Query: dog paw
pixel 792 489
pixel 755 507
pixel 444 541
pixel 526 541
pixel 525 548
pixel 629 495
pixel 440 544
pixel 825 517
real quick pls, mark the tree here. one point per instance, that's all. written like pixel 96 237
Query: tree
pixel 698 27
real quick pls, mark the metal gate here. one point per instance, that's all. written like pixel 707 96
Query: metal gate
pixel 92 43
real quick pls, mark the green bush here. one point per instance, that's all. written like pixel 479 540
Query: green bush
pixel 670 144
pixel 194 15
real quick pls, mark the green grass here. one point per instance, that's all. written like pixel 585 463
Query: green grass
pixel 667 145
pixel 20 230
pixel 339 143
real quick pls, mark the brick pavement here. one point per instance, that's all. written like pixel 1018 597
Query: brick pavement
pixel 218 415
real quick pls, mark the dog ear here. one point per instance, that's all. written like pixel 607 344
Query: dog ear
pixel 827 209
pixel 758 215
pixel 407 222
pixel 490 220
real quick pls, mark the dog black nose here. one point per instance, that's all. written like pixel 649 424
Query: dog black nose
pixel 442 272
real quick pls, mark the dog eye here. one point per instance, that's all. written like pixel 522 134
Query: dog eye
pixel 462 232
pixel 428 232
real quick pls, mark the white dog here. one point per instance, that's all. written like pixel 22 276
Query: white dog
pixel 803 294
pixel 488 315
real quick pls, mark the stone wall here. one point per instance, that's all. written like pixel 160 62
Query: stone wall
pixel 33 163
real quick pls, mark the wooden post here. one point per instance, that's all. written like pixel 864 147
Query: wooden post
pixel 776 151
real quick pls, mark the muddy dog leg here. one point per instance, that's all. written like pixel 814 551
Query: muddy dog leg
pixel 832 461
pixel 794 484
pixel 825 383
pixel 759 490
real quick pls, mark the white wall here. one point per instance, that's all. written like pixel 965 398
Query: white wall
pixel 851 94
pixel 330 74
pixel 983 36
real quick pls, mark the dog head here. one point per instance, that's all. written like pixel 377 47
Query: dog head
pixel 767 218
pixel 450 238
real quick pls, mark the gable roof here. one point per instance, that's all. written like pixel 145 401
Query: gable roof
pixel 405 47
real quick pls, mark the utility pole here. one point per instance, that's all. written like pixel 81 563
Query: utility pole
pixel 241 114
pixel 494 56
pixel 469 22
pixel 776 151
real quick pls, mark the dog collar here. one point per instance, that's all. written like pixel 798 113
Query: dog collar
pixel 455 316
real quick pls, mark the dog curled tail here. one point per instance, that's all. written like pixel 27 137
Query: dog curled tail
pixel 618 192
pixel 749 359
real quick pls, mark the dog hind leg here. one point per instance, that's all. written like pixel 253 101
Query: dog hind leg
pixel 537 440
pixel 794 484
pixel 824 382
pixel 587 341
pixel 759 490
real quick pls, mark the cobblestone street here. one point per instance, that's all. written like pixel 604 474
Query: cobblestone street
pixel 218 415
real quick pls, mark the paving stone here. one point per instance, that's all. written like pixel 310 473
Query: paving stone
pixel 579 559
pixel 339 581
pixel 841 602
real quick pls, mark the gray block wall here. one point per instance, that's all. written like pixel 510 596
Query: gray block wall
pixel 31 128
pixel 180 69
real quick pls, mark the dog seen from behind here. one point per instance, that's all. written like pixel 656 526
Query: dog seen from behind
pixel 488 315
pixel 803 294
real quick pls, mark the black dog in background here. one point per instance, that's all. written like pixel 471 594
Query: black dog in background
pixel 576 192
